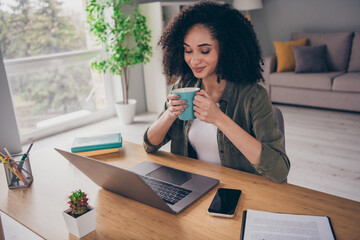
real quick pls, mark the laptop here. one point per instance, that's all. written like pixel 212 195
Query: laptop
pixel 156 185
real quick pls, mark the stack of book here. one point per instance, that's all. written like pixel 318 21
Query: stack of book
pixel 97 145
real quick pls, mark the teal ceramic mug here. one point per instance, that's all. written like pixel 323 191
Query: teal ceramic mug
pixel 187 94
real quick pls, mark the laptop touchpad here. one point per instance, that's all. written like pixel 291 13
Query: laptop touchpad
pixel 170 175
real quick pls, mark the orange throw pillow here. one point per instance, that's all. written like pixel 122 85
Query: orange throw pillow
pixel 285 56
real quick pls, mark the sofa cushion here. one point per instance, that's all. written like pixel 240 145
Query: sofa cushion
pixel 349 82
pixel 310 59
pixel 338 47
pixel 322 81
pixel 285 60
pixel 354 64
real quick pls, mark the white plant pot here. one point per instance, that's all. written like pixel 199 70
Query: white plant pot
pixel 82 225
pixel 126 112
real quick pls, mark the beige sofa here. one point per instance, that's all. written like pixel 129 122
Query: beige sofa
pixel 339 88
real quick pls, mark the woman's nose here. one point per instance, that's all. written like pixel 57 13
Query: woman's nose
pixel 195 60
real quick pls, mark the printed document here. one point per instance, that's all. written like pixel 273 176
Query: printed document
pixel 261 225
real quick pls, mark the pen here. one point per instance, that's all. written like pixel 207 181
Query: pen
pixel 6 157
pixel 22 161
pixel 12 170
pixel 27 152
pixel 7 152
pixel 20 175
pixel 14 166
pixel 2 154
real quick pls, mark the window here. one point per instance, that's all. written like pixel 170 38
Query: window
pixel 47 53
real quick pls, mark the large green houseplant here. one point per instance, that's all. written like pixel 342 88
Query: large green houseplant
pixel 120 27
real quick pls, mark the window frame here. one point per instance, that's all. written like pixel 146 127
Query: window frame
pixel 29 63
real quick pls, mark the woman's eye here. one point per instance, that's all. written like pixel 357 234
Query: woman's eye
pixel 205 52
pixel 188 51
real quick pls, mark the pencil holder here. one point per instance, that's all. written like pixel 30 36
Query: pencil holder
pixel 18 172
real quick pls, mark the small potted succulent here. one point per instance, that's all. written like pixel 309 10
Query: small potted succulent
pixel 80 218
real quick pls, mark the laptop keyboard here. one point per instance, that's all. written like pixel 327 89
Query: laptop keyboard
pixel 169 193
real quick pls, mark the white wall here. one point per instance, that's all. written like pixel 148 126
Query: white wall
pixel 137 88
pixel 279 18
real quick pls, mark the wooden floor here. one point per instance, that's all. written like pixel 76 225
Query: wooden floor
pixel 324 150
pixel 323 146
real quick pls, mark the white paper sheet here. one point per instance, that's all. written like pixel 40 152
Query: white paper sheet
pixel 278 226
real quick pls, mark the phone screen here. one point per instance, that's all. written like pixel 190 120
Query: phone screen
pixel 225 202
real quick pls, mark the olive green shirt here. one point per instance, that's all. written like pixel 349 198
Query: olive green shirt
pixel 250 107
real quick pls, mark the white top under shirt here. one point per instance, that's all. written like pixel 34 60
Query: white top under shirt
pixel 203 138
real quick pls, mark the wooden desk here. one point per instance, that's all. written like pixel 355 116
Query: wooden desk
pixel 39 207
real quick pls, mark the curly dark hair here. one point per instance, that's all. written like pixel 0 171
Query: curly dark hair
pixel 240 59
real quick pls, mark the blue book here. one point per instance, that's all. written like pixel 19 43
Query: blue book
pixel 100 142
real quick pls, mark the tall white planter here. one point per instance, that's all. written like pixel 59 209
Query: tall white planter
pixel 82 225
pixel 126 112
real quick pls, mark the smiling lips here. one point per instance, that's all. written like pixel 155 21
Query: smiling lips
pixel 198 70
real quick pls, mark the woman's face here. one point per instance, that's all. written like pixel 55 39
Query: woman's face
pixel 201 52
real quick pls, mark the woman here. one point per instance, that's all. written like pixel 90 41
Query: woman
pixel 212 46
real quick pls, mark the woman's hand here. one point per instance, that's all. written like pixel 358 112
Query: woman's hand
pixel 205 109
pixel 157 131
pixel 175 106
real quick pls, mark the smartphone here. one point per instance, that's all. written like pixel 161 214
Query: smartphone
pixel 225 202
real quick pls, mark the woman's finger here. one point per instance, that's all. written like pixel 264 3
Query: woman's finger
pixel 177 102
pixel 202 93
pixel 199 98
pixel 197 115
pixel 196 102
pixel 180 107
pixel 197 109
pixel 173 96
pixel 177 110
pixel 174 101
